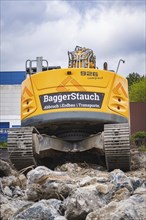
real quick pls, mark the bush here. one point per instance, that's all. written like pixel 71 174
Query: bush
pixel 3 144
pixel 138 91
pixel 139 138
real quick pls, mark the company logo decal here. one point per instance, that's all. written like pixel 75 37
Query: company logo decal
pixel 63 87
pixel 118 89
pixel 71 100
pixel 26 91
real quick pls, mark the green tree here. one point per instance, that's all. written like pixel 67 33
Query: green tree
pixel 133 78
pixel 138 91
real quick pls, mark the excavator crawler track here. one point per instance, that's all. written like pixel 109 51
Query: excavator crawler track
pixel 20 147
pixel 117 146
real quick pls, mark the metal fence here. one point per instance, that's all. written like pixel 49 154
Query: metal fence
pixel 138 116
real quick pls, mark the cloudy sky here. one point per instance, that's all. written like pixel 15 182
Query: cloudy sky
pixel 113 29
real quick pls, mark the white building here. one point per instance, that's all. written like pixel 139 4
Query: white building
pixel 10 100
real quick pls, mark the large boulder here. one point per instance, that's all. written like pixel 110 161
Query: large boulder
pixel 42 210
pixel 132 208
pixel 9 207
pixel 81 202
pixel 120 180
pixel 6 170
pixel 44 183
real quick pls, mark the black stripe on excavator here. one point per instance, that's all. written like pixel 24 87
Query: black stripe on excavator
pixel 82 116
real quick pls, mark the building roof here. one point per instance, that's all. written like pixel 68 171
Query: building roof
pixel 12 77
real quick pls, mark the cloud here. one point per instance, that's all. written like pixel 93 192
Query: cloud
pixel 19 16
pixel 113 30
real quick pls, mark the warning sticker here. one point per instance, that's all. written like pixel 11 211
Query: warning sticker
pixel 71 100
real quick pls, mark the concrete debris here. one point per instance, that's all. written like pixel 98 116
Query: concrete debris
pixel 9 207
pixel 11 181
pixel 138 159
pixel 7 191
pixel 5 169
pixel 132 208
pixel 43 209
pixel 120 180
pixel 47 184
pixel 121 194
pixel 72 192
pixel 81 202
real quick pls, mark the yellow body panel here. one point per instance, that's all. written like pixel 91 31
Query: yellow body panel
pixel 113 86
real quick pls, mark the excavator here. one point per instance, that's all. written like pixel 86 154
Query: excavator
pixel 78 112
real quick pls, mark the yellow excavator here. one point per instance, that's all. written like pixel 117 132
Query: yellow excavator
pixel 78 112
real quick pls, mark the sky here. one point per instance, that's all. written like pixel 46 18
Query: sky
pixel 113 29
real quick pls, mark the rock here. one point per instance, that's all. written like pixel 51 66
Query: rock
pixel 135 159
pixel 3 199
pixel 47 184
pixel 7 191
pixel 140 173
pixel 140 190
pixel 73 192
pixel 120 180
pixel 131 208
pixel 143 160
pixel 7 210
pixel 138 159
pixel 40 174
pixel 33 192
pixel 105 188
pixel 6 170
pixel 87 181
pixel 18 192
pixel 81 202
pixel 136 182
pixel 37 174
pixel 9 181
pixel 41 210
pixel 82 169
pixel 69 168
pixel 60 218
pixel 58 190
pixel 103 177
pixel 10 207
pixel 55 203
pixel 12 181
pixel 10 186
pixel 121 194
pixel 22 181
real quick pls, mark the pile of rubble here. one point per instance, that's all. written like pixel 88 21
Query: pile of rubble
pixel 72 192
